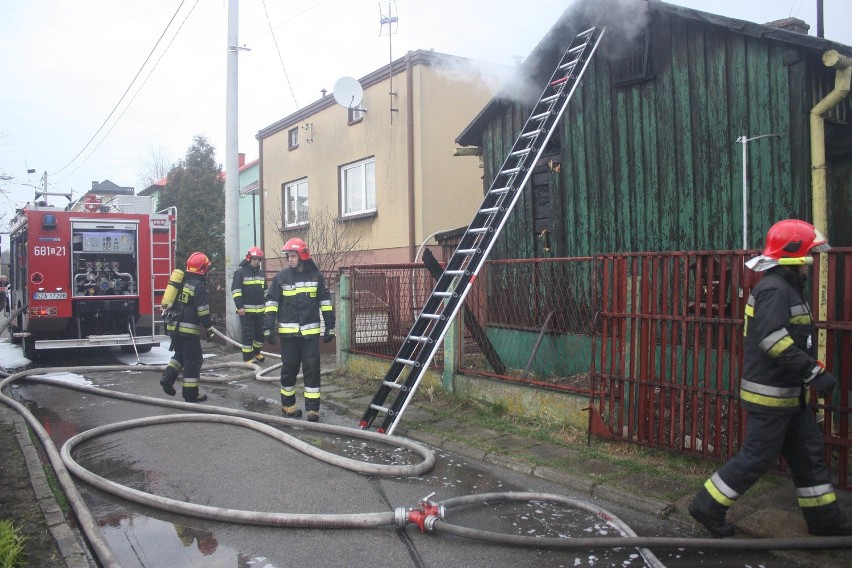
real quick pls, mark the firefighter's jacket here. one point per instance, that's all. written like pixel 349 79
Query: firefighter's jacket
pixel 248 288
pixel 195 308
pixel 295 300
pixel 778 357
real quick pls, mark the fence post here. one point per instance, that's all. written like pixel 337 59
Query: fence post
pixel 344 316
pixel 452 351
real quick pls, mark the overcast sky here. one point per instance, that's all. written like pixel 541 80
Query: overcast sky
pixel 66 65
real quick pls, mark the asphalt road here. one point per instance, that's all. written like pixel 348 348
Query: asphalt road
pixel 227 466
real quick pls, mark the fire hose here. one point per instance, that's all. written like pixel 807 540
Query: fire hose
pixel 429 516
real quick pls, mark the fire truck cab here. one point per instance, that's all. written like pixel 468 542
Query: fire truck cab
pixel 90 275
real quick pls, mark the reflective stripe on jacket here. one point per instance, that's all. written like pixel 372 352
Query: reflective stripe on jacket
pixel 295 300
pixel 196 311
pixel 248 288
pixel 778 345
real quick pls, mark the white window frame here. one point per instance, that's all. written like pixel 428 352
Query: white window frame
pixel 293 138
pixel 298 187
pixel 364 172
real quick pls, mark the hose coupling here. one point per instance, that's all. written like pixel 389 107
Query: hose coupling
pixel 427 513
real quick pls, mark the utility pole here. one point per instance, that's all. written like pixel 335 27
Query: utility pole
pixel 232 171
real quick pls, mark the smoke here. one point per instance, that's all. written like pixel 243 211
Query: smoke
pixel 624 21
pixel 490 75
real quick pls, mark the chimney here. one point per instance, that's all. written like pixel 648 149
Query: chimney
pixel 791 25
pixel 242 159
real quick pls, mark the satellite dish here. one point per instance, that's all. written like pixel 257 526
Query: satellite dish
pixel 348 92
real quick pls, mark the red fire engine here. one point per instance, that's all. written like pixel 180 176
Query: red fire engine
pixel 90 275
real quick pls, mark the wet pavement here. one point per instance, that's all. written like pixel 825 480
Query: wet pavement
pixel 226 466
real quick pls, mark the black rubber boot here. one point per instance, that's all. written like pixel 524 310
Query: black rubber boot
pixel 168 386
pixel 713 522
pixel 313 416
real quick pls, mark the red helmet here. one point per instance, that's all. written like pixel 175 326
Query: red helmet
pixel 254 251
pixel 791 241
pixel 299 246
pixel 198 263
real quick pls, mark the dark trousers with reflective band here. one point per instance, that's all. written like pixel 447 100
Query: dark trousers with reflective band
pixel 304 352
pixel 796 437
pixel 252 328
pixel 187 358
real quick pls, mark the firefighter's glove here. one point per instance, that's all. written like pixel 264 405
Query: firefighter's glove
pixel 211 334
pixel 328 336
pixel 269 336
pixel 824 384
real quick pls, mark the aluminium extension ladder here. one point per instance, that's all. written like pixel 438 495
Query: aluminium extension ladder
pixel 450 290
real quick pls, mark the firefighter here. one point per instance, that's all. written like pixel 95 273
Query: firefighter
pixel 295 299
pixel 248 291
pixel 186 330
pixel 778 370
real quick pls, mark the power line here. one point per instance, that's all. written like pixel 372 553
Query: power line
pixel 280 58
pixel 123 95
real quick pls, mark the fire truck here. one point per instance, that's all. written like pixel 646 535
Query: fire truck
pixel 91 274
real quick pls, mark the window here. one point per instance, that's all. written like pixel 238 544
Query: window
pixel 355 115
pixel 296 203
pixel 293 138
pixel 634 67
pixel 358 188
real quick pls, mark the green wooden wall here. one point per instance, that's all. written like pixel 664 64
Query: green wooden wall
pixel 655 165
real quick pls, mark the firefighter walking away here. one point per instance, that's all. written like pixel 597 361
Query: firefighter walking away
pixel 779 369
pixel 192 320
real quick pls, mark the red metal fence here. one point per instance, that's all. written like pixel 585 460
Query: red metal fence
pixel 654 339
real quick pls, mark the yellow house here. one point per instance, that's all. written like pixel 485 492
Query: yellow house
pixel 371 183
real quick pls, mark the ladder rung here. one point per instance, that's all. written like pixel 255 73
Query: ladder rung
pixel 467 251
pixel 455 272
pixel 586 33
pixel 420 338
pixel 577 49
pixel 478 230
pixel 540 116
pixel 501 190
pixel 443 294
pixel 431 316
pixel 410 362
pixel 379 408
pixel 392 384
pixel 571 63
pixel 549 99
pixel 535 132
pixel 489 210
pixel 523 152
pixel 558 82
pixel 510 171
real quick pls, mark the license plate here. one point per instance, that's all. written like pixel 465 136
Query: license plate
pixel 50 296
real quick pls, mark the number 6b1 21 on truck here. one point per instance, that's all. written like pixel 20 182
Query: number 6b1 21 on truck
pixel 91 274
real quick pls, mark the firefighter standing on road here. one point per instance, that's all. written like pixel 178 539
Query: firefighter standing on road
pixel 187 329
pixel 248 291
pixel 778 369
pixel 294 301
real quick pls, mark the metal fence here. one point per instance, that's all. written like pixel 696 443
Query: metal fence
pixel 654 339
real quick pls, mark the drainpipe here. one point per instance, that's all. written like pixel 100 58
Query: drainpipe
pixel 409 134
pixel 819 180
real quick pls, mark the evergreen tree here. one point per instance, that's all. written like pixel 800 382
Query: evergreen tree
pixel 196 187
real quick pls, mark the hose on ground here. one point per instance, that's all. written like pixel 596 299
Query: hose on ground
pixel 261 373
pixel 64 465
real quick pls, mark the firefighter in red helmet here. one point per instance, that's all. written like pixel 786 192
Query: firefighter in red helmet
pixel 187 328
pixel 779 368
pixel 248 290
pixel 296 297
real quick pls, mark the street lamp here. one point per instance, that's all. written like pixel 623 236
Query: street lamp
pixel 744 140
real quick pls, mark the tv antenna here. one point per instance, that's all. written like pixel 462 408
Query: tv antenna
pixel 391 20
